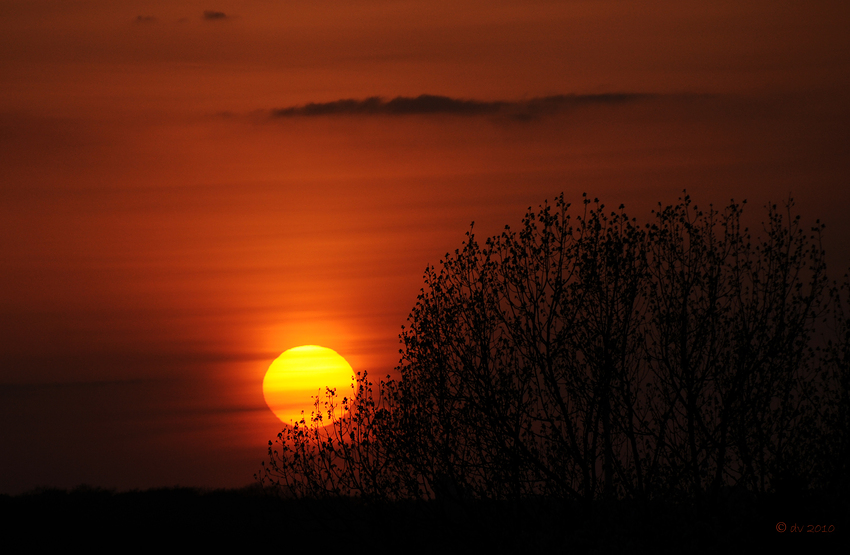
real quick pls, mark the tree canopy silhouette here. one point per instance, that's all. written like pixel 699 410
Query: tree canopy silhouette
pixel 587 357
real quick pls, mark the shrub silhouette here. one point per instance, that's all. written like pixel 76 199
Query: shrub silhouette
pixel 589 358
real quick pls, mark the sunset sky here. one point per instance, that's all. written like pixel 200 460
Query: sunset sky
pixel 187 189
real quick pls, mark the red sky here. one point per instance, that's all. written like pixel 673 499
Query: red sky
pixel 165 235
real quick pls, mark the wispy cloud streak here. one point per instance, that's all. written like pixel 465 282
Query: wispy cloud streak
pixel 426 104
pixel 212 15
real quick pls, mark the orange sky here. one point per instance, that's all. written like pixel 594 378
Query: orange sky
pixel 166 235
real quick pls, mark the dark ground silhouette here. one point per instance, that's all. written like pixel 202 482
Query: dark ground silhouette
pixel 250 518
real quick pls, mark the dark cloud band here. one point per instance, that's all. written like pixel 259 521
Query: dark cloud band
pixel 211 15
pixel 433 104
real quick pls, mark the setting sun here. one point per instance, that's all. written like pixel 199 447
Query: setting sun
pixel 295 378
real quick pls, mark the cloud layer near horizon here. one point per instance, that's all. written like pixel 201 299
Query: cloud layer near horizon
pixel 434 104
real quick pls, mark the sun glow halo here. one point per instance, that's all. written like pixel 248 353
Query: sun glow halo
pixel 295 378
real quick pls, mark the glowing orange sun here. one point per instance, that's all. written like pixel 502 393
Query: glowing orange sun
pixel 297 376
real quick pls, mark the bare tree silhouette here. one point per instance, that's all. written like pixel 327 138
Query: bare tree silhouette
pixel 588 358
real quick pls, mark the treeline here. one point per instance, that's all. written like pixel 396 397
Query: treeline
pixel 589 358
